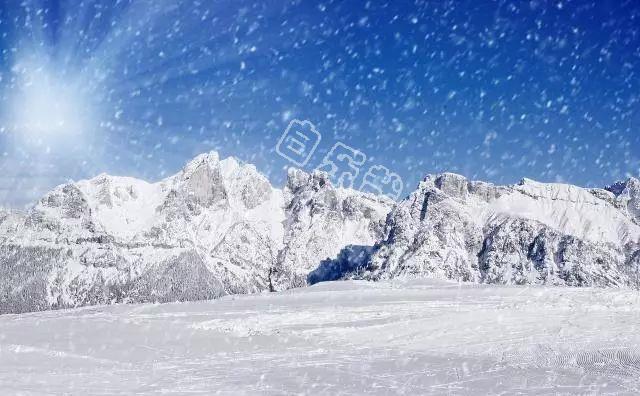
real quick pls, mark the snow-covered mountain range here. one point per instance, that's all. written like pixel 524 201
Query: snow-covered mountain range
pixel 219 227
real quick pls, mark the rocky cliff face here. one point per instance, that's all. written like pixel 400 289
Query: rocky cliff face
pixel 217 227
pixel 322 220
pixel 530 233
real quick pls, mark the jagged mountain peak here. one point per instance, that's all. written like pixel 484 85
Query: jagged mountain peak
pixel 229 166
pixel 456 186
pixel 314 192
pixel 211 159
pixel 207 181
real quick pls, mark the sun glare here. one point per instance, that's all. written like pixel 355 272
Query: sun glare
pixel 45 106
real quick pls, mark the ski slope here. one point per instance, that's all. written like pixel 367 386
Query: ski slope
pixel 338 338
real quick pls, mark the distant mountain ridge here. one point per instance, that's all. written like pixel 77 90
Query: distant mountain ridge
pixel 219 227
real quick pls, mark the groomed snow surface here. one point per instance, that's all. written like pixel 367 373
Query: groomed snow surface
pixel 400 337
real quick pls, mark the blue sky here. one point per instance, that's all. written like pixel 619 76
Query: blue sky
pixel 494 90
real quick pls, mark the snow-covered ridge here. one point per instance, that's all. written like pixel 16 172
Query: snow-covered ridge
pixel 530 232
pixel 570 210
pixel 591 214
pixel 219 227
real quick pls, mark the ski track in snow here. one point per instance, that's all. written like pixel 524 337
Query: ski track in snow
pixel 400 337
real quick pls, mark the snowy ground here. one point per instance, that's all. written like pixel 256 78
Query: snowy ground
pixel 424 337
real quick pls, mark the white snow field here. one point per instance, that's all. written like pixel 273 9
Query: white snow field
pixel 339 338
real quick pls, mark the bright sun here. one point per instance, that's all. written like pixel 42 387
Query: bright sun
pixel 46 106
